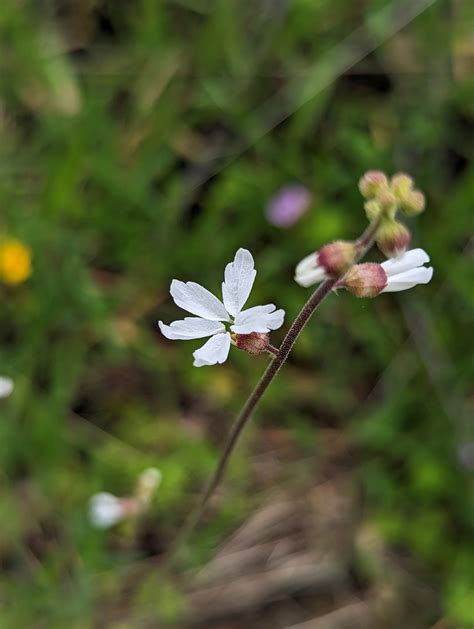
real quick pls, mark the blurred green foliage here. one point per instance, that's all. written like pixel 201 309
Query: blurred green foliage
pixel 141 142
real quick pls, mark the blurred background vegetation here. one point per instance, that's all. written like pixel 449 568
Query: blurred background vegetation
pixel 142 141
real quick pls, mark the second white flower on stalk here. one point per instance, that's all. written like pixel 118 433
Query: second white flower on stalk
pixel 218 319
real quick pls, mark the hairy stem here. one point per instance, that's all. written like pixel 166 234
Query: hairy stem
pixel 363 244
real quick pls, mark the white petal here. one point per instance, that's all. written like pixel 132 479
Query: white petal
pixel 307 264
pixel 258 319
pixel 314 276
pixel 309 272
pixel 190 328
pixel 198 300
pixel 105 510
pixel 408 279
pixel 239 277
pixel 215 350
pixel 409 260
pixel 6 386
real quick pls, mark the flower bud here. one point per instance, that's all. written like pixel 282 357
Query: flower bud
pixel 388 202
pixel 413 203
pixel 401 184
pixel 384 203
pixel 148 482
pixel 372 209
pixel 331 260
pixel 337 257
pixel 373 183
pixel 393 238
pixel 254 343
pixel 365 280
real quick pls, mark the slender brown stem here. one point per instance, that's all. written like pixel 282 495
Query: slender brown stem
pixel 366 240
pixel 272 350
pixel 363 244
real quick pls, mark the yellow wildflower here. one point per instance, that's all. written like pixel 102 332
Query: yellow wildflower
pixel 15 261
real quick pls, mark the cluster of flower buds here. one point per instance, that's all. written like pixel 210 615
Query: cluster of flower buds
pixel 384 198
pixel 384 195
pixel 107 510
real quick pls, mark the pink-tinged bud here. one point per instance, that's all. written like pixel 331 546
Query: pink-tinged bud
pixel 393 238
pixel 337 257
pixel 401 184
pixel 413 203
pixel 365 280
pixel 373 183
pixel 254 343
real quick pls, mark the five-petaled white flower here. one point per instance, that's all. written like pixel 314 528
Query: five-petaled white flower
pixel 212 314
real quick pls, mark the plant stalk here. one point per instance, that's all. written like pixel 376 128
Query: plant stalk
pixel 363 244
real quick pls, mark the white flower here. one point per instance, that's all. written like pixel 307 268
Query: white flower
pixel 407 271
pixel 212 314
pixel 106 510
pixel 6 386
pixel 332 260
pixel 309 271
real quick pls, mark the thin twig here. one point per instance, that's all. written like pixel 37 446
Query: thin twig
pixel 363 244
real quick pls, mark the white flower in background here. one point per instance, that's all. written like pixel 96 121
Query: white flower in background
pixel 6 386
pixel 106 510
pixel 407 271
pixel 215 318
